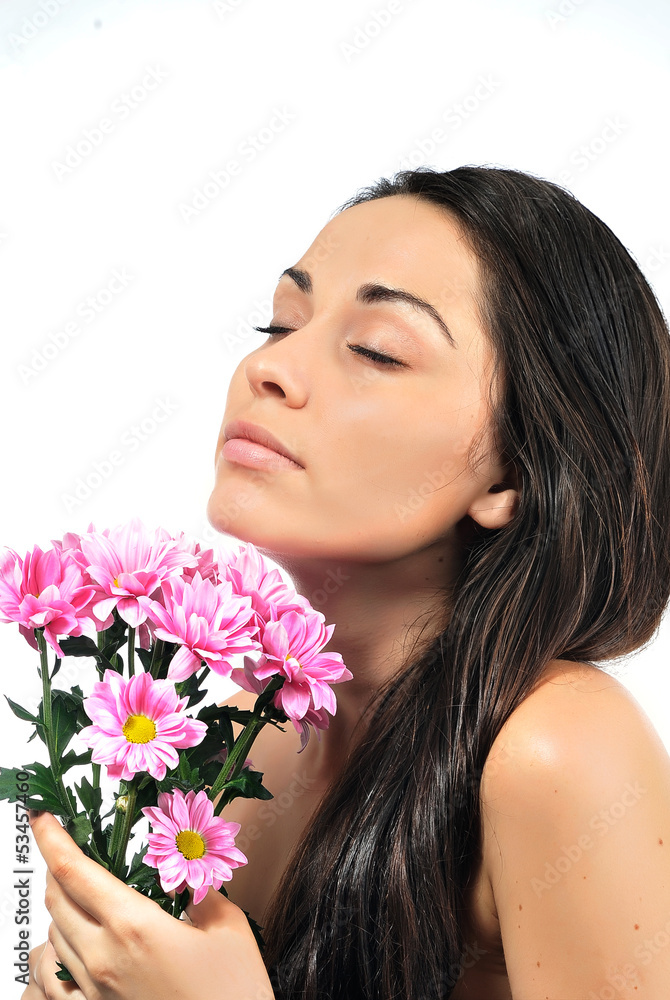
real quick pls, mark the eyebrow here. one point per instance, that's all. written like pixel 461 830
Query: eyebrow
pixel 372 292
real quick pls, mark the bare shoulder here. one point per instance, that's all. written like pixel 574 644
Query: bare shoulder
pixel 575 799
pixel 578 716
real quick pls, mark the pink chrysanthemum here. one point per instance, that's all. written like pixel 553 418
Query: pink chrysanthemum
pixel 137 724
pixel 189 845
pixel 70 544
pixel 210 622
pixel 291 648
pixel 251 574
pixel 44 590
pixel 207 565
pixel 130 562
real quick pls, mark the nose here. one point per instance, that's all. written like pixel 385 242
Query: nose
pixel 279 368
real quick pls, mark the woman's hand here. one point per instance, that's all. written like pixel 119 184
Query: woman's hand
pixel 43 968
pixel 120 945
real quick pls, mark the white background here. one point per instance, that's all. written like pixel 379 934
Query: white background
pixel 360 88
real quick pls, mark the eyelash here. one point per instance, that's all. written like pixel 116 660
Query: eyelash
pixel 384 359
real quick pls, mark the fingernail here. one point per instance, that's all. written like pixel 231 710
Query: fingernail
pixel 33 814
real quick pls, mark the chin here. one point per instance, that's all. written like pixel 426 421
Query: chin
pixel 226 517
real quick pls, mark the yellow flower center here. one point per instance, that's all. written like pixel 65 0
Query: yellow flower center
pixel 139 729
pixel 190 844
pixel 116 581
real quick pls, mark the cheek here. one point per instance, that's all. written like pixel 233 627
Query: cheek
pixel 396 492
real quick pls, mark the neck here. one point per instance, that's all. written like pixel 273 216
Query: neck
pixel 383 613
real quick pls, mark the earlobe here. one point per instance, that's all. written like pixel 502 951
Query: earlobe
pixel 495 508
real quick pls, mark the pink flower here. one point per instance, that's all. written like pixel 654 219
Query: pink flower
pixel 252 575
pixel 210 622
pixel 70 540
pixel 206 566
pixel 291 648
pixel 70 544
pixel 189 845
pixel 137 723
pixel 130 562
pixel 44 590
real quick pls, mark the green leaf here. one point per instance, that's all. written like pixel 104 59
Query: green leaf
pixel 191 689
pixel 114 636
pixel 83 645
pixel 138 869
pixel 40 783
pixel 184 768
pixel 210 772
pixel 71 759
pixel 170 782
pixel 232 712
pixel 144 656
pixel 147 794
pixel 80 829
pixel 63 974
pixel 99 839
pixel 64 717
pixel 142 878
pixel 90 797
pixel 248 784
pixel 22 713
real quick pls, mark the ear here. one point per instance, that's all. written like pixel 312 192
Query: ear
pixel 497 505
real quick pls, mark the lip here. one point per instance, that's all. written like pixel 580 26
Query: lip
pixel 259 435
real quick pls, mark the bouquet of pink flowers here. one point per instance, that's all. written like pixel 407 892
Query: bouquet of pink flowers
pixel 177 613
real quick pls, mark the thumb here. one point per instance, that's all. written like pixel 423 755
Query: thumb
pixel 212 910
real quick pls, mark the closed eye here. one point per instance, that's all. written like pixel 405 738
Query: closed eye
pixel 376 356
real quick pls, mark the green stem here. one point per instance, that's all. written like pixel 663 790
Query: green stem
pixel 100 643
pixel 54 759
pixel 131 651
pixel 127 818
pixel 96 775
pixel 156 658
pixel 116 826
pixel 231 766
pixel 234 762
pixel 94 851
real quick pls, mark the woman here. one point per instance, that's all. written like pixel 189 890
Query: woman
pixel 471 378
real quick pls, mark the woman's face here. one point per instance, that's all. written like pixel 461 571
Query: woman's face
pixel 382 447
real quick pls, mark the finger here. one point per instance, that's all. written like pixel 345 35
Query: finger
pixel 45 969
pixel 63 953
pixel 77 926
pixel 213 909
pixel 35 957
pixel 90 885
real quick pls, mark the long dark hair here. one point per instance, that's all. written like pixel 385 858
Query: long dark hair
pixel 372 903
